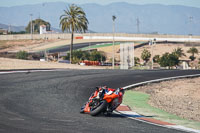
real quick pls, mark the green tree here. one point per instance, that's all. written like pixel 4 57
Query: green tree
pixel 36 25
pixel 193 51
pixel 178 52
pixel 79 55
pixel 22 55
pixel 97 56
pixel 156 58
pixel 146 55
pixel 169 60
pixel 73 20
pixel 137 60
pixel 192 58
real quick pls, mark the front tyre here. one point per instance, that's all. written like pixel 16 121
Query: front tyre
pixel 100 108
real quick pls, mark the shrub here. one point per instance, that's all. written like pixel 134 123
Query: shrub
pixel 22 55
pixel 146 55
pixel 193 51
pixel 79 55
pixel 168 60
pixel 192 58
pixel 137 60
pixel 156 58
pixel 97 56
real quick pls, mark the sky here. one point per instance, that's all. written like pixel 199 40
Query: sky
pixel 192 3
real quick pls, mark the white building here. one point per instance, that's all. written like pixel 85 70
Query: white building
pixel 43 29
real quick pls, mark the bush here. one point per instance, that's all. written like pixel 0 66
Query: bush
pixel 137 60
pixel 192 58
pixel 156 58
pixel 22 55
pixel 146 55
pixel 168 60
pixel 97 56
pixel 79 55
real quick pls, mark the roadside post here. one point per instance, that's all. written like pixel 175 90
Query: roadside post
pixel 113 60
pixel 151 43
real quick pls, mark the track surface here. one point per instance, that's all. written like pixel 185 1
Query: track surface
pixel 75 46
pixel 49 102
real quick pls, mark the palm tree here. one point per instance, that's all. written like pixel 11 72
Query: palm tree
pixel 73 20
pixel 193 51
pixel 179 52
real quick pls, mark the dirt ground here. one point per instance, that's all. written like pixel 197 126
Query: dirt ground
pixel 36 45
pixel 180 97
pixel 16 45
pixel 158 49
pixel 8 64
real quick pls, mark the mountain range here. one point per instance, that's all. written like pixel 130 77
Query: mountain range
pixel 130 18
pixel 12 28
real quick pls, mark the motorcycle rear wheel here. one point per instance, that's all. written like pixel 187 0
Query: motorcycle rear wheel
pixel 99 109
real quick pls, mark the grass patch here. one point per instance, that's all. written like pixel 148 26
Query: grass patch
pixel 138 102
pixel 99 46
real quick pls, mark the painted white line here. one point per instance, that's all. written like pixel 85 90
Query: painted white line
pixel 176 127
pixel 159 80
pixel 121 113
pixel 184 128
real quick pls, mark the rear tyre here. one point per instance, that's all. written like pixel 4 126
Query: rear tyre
pixel 101 108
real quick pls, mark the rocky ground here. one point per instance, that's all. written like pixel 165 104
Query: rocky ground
pixel 180 97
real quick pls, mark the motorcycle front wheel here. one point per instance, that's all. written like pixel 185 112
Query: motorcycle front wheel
pixel 100 108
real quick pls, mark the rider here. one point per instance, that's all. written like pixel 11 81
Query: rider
pixel 107 90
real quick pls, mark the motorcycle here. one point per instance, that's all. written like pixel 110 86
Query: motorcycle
pixel 103 100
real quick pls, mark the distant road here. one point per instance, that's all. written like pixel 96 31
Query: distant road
pixel 75 46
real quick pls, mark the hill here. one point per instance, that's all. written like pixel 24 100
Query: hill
pixel 172 19
pixel 12 28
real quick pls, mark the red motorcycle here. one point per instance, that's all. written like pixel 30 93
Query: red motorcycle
pixel 103 100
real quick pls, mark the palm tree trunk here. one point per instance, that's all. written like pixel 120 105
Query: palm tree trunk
pixel 71 47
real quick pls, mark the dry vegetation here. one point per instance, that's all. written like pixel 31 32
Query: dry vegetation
pixel 158 49
pixel 8 64
pixel 16 45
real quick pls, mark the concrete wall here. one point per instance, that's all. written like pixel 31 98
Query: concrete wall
pixel 35 36
pixel 68 36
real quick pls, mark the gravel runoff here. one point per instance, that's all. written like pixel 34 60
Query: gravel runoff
pixel 180 97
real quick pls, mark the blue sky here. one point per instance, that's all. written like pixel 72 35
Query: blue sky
pixel 193 3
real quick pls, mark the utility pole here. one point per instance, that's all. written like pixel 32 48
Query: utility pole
pixel 152 42
pixel 89 41
pixel 190 34
pixel 31 27
pixel 138 25
pixel 113 60
pixel 9 29
pixel 190 21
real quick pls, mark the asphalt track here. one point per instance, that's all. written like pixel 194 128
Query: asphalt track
pixel 75 46
pixel 82 45
pixel 49 102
